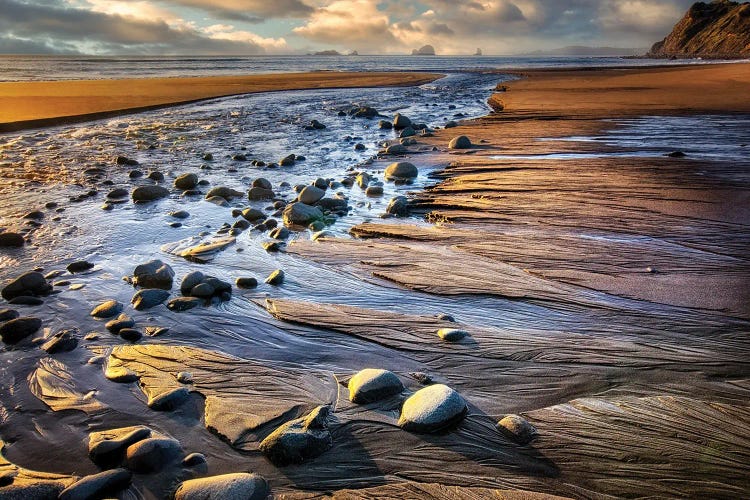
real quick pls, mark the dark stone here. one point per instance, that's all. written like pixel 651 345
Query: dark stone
pixel 79 266
pixel 143 194
pixel 14 330
pixel 7 314
pixel 62 341
pixel 11 240
pixel 148 298
pixel 186 181
pixel 96 486
pixel 28 284
pixel 169 400
pixel 122 160
pixel 246 282
pixel 152 454
pixel 122 321
pixel 25 300
pixel 299 439
pixel 130 334
pixel 153 274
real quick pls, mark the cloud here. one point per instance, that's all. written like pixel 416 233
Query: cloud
pixel 354 24
pixel 115 31
pixel 249 10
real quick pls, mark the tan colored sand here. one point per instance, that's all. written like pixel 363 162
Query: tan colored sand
pixel 25 104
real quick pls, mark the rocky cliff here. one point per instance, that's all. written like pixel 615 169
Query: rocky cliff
pixel 716 30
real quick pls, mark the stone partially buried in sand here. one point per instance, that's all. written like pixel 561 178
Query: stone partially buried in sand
pixel 152 454
pixel 169 400
pixel 517 428
pixel 452 334
pixel 107 309
pixel 460 142
pixel 300 439
pixel 431 409
pixel 371 384
pixel 402 170
pixel 108 447
pixel 11 240
pixel 101 485
pixel 237 486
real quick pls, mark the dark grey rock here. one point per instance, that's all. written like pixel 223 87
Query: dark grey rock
pixel 300 214
pixel 186 181
pixel 190 280
pixel 169 400
pixel 299 439
pixel 143 194
pixel 107 309
pixel 79 266
pixel 11 240
pixel 155 176
pixel 148 298
pixel 153 274
pixel 517 428
pixel 117 324
pixel 130 334
pixel 182 304
pixel 108 447
pixel 224 192
pixel 400 121
pixel 180 214
pixel 152 454
pixel 25 300
pixel 14 330
pixel 28 284
pixel 62 341
pixel 7 314
pixel 311 194
pixel 98 486
pixel 246 282
pixel 398 206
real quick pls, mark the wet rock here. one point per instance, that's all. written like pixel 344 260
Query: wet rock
pixel 287 161
pixel 202 290
pixel 14 330
pixel 359 147
pixel 676 154
pixel 236 486
pixel 79 266
pixel 123 160
pixel 431 409
pixel 135 174
pixel 246 282
pixel 272 246
pixel 108 447
pixel 117 193
pixel 311 194
pixel 31 284
pixel 190 280
pixel 26 301
pixel 252 214
pixel 182 304
pixel 107 309
pixel 460 142
pixel 41 490
pixel 186 181
pixel 184 377
pixel 155 176
pixel 148 298
pixel 263 183
pixel 120 375
pixel 169 400
pixel 11 240
pixel 143 194
pixel 385 125
pixel 180 214
pixel 258 193
pixel 300 214
pixel 452 334
pixel 62 341
pixel 398 207
pixel 152 454
pixel 446 317
pixel 363 112
pixel 517 429
pixel 218 200
pixel 194 460
pixel 370 385
pixel 333 204
pixel 451 124
pixel 98 486
pixel 130 334
pixel 402 170
pixel 276 277
pixel 6 314
pixel 400 121
pixel 407 132
pixel 153 274
pixel 363 180
pixel 280 233
pixel 224 192
pixel 396 149
pixel 299 439
pixel 374 190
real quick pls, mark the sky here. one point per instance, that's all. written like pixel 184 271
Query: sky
pixel 250 27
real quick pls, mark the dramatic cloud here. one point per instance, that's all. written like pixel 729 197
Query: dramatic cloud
pixel 205 27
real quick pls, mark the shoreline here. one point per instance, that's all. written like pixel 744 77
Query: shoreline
pixel 25 105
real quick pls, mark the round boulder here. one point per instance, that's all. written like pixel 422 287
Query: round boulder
pixel 152 454
pixel 236 486
pixel 517 428
pixel 401 170
pixel 153 274
pixel 371 384
pixel 13 331
pixel 460 142
pixel 186 181
pixel 143 194
pixel 311 195
pixel 301 214
pixel 431 409
pixel 452 334
pixel 11 240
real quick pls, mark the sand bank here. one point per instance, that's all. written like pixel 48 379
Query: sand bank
pixel 34 104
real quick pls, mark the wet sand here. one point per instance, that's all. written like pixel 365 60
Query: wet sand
pixel 605 300
pixel 36 104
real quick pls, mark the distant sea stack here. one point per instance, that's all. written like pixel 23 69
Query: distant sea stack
pixel 427 50
pixel 716 30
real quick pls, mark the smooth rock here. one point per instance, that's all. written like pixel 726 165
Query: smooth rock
pixel 257 193
pixel 374 190
pixel 431 409
pixel 401 170
pixel 153 274
pixel 152 454
pixel 184 377
pixel 169 400
pixel 280 233
pixel 300 214
pixel 194 459
pixel 180 214
pixel 28 284
pixel 186 181
pixel 246 282
pixel 117 324
pixel 120 375
pixel 108 447
pixel 182 304
pixel 276 277
pixel 148 298
pixel 224 192
pixel 98 486
pixel 190 280
pixel 79 266
pixel 235 486
pixel 11 240
pixel 460 142
pixel 452 334
pixel 371 384
pixel 396 149
pixel 107 309
pixel 130 334
pixel 398 206
pixel 143 194
pixel 299 439
pixel 26 301
pixel 253 214
pixel 263 183
pixel 311 194
pixel 14 330
pixel 400 121
pixel 517 428
pixel 117 193
pixel 6 314
pixel 155 176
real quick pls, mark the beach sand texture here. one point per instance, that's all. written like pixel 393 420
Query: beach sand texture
pixel 623 336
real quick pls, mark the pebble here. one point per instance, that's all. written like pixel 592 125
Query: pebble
pixel 62 341
pixel 79 266
pixel 143 194
pixel 452 334
pixel 276 277
pixel 431 409
pixel 246 282
pixel 148 298
pixel 169 400
pixel 517 428
pixel 370 385
pixel 182 304
pixel 130 334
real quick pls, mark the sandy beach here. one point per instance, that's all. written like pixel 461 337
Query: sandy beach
pixel 596 290
pixel 37 104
